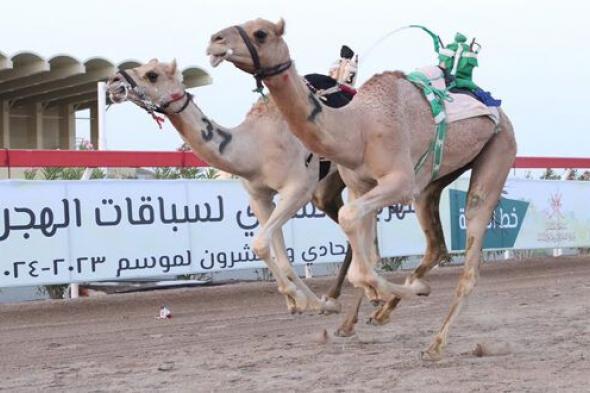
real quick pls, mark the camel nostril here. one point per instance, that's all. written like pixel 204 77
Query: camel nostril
pixel 217 38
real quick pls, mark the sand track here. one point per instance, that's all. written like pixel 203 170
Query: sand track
pixel 239 337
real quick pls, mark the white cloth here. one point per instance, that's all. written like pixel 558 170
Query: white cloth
pixel 462 106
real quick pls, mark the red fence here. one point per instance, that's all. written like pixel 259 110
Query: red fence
pixel 136 159
pixel 96 159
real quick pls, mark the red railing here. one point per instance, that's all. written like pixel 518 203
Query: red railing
pixel 96 159
pixel 135 159
pixel 551 162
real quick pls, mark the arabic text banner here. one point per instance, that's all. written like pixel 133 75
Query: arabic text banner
pixel 71 231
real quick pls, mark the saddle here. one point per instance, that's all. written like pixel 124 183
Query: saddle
pixel 485 97
pixel 332 94
pixel 328 90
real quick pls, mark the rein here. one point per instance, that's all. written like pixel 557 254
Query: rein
pixel 260 72
pixel 144 102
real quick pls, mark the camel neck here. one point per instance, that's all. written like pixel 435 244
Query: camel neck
pixel 310 120
pixel 216 145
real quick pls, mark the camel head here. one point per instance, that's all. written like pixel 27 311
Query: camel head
pixel 152 86
pixel 254 41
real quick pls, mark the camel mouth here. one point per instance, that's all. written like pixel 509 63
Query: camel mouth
pixel 117 92
pixel 216 59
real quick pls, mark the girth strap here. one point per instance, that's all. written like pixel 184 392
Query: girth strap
pixel 436 98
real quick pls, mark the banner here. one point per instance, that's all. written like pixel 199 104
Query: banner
pixel 531 214
pixel 80 231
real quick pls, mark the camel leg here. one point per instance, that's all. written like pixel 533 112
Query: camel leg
pixel 292 199
pixel 428 214
pixel 313 302
pixel 489 174
pixel 357 220
pixel 296 300
pixel 336 288
pixel 346 329
pixel 427 211
pixel 328 198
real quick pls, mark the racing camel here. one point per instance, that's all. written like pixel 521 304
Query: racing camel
pixel 263 153
pixel 377 141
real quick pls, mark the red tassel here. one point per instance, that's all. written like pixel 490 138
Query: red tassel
pixel 159 120
pixel 348 89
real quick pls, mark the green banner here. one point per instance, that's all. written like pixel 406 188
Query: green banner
pixel 502 230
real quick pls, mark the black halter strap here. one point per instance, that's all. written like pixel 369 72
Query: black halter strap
pixel 148 105
pixel 189 99
pixel 128 78
pixel 261 72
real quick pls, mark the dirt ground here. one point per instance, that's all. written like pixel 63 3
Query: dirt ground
pixel 239 337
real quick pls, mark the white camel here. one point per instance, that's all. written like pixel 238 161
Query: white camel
pixel 263 153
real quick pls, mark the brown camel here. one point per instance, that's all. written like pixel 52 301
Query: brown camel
pixel 263 153
pixel 377 141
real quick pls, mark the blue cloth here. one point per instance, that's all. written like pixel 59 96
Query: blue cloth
pixel 486 98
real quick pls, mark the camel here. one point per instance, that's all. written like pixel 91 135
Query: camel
pixel 263 153
pixel 377 141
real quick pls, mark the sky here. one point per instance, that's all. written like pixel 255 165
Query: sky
pixel 534 56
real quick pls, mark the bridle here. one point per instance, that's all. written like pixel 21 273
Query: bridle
pixel 142 100
pixel 260 72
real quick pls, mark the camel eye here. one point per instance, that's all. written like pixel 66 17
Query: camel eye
pixel 152 76
pixel 260 36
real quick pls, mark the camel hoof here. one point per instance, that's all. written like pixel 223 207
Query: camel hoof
pixel 419 287
pixel 300 300
pixel 376 321
pixel 344 332
pixel 330 305
pixel 296 304
pixel 430 356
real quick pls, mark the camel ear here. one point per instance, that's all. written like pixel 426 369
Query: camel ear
pixel 280 27
pixel 172 67
pixel 154 60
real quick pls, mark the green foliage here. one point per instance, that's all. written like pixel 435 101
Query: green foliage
pixel 208 173
pixel 572 174
pixel 54 291
pixel 97 173
pixel 51 173
pixel 72 173
pixel 550 174
pixel 185 173
pixel 391 264
pixel 188 173
pixel 65 173
pixel 30 174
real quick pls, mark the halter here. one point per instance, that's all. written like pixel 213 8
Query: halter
pixel 146 103
pixel 260 72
